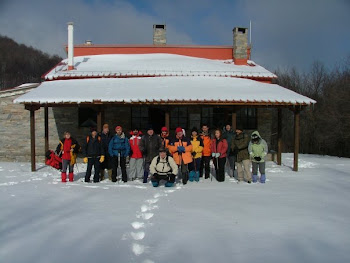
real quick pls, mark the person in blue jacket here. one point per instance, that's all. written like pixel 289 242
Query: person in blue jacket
pixel 119 149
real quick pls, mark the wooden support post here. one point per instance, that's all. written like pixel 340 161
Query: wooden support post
pixel 296 137
pixel 46 119
pixel 234 119
pixel 279 137
pixel 32 139
pixel 167 119
pixel 99 119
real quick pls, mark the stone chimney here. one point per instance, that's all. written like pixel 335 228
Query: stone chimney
pixel 241 49
pixel 70 46
pixel 159 35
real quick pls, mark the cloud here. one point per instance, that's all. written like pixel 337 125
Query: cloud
pixel 43 24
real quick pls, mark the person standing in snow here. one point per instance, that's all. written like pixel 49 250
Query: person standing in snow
pixel 180 147
pixel 163 167
pixel 106 164
pixel 229 135
pixel 136 158
pixel 67 149
pixel 258 150
pixel 218 152
pixel 206 153
pixel 240 147
pixel 149 146
pixel 94 154
pixel 164 134
pixel 119 149
pixel 197 148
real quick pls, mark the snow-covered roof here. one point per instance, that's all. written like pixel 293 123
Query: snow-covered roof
pixel 126 65
pixel 17 90
pixel 169 90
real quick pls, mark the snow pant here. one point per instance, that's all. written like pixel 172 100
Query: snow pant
pixel 66 164
pixel 219 164
pixel 169 178
pixel 135 168
pixel 205 164
pixel 243 170
pixel 183 169
pixel 93 161
pixel 260 166
pixel 146 171
pixel 230 160
pixel 194 168
pixel 106 165
pixel 122 164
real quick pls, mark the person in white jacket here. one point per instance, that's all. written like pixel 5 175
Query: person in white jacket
pixel 257 149
pixel 163 167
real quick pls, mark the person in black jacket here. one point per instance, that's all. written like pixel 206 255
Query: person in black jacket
pixel 149 146
pixel 94 154
pixel 107 163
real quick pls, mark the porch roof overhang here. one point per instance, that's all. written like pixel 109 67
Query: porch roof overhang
pixel 163 90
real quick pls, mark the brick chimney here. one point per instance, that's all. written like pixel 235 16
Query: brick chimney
pixel 70 46
pixel 159 35
pixel 241 49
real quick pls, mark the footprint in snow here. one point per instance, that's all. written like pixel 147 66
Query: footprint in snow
pixel 138 249
pixel 148 261
pixel 138 225
pixel 147 216
pixel 152 201
pixel 169 191
pixel 138 235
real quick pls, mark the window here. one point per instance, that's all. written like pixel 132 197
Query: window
pixel 178 118
pixel 247 117
pixel 87 117
pixel 139 117
pixel 214 117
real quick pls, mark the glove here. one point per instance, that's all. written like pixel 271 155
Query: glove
pixel 194 154
pixel 217 155
pixel 257 159
pixel 213 155
pixel 102 159
pixel 85 160
pixel 181 149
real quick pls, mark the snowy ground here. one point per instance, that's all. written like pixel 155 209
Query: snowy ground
pixel 294 217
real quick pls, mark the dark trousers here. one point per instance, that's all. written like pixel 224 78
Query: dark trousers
pixel 106 163
pixel 195 165
pixel 122 164
pixel 205 164
pixel 93 161
pixel 219 164
pixel 167 177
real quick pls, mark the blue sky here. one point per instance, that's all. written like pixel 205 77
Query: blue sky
pixel 285 33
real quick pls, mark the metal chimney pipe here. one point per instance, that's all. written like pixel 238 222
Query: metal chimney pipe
pixel 70 46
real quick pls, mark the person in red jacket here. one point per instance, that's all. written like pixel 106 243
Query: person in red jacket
pixel 136 158
pixel 218 152
pixel 164 136
pixel 67 149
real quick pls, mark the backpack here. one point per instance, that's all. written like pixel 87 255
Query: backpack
pixel 167 162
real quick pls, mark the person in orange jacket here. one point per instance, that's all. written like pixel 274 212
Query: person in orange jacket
pixel 206 153
pixel 181 149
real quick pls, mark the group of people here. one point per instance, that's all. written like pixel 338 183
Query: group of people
pixel 161 157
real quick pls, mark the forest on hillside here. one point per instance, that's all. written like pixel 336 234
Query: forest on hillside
pixel 325 127
pixel 22 64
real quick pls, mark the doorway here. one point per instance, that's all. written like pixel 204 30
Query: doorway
pixel 156 117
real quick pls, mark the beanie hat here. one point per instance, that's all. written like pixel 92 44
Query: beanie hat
pixel 164 129
pixel 149 128
pixel 162 149
pixel 118 128
pixel 195 129
pixel 178 129
pixel 239 127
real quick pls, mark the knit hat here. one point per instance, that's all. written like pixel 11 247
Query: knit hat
pixel 164 129
pixel 162 149
pixel 239 127
pixel 149 128
pixel 118 128
pixel 178 129
pixel 195 129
